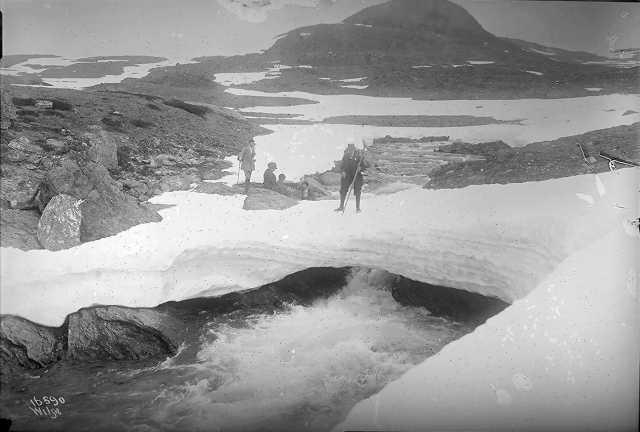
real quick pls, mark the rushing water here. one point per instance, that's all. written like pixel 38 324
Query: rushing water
pixel 302 369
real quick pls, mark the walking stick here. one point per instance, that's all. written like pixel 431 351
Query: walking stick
pixel 355 174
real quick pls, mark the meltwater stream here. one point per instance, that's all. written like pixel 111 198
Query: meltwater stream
pixel 299 369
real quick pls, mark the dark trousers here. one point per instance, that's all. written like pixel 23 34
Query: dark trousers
pixel 247 180
pixel 345 182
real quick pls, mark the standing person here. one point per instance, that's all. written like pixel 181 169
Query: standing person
pixel 247 158
pixel 353 163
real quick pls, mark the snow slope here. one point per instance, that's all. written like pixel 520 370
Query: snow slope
pixel 499 240
pixel 565 357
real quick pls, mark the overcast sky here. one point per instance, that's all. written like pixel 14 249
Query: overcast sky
pixel 189 28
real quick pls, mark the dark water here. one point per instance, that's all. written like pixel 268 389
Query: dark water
pixel 301 369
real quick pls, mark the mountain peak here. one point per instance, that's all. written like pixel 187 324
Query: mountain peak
pixel 438 16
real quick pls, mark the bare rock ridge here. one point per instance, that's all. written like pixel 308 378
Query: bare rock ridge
pixel 109 151
pixel 499 163
pixel 123 333
pixel 438 16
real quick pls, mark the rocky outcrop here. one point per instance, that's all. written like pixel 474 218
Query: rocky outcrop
pixel 266 199
pixel 19 183
pixel 59 225
pixel 330 179
pixel 538 161
pixel 23 144
pixel 316 189
pixel 106 210
pixel 102 147
pixel 19 229
pixel 120 333
pixel 7 110
pixel 26 344
pixel 455 304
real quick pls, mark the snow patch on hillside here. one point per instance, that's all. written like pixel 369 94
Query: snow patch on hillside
pixel 359 87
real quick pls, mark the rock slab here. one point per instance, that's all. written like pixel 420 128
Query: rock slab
pixel 106 209
pixel 27 344
pixel 59 225
pixel 19 229
pixel 120 333
pixel 265 199
pixel 102 147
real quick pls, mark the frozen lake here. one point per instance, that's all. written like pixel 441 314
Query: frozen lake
pixel 133 71
pixel 301 149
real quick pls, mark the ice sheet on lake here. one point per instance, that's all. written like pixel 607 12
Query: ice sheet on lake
pixel 134 71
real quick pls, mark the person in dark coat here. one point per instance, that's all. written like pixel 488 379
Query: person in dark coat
pixel 269 178
pixel 352 166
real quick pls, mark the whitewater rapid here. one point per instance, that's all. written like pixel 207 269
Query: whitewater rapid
pixel 304 368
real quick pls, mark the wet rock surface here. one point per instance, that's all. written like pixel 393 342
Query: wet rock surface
pixel 26 344
pixel 120 333
pixel 123 333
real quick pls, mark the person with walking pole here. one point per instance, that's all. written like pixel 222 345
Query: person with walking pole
pixel 247 158
pixel 353 163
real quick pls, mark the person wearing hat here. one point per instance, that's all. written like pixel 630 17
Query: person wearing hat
pixel 352 166
pixel 269 178
pixel 247 158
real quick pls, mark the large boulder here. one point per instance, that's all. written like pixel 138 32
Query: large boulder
pixel 120 333
pixel 176 183
pixel 103 148
pixel 57 145
pixel 106 209
pixel 216 188
pixel 28 344
pixel 266 199
pixel 316 189
pixel 23 144
pixel 59 226
pixel 330 178
pixel 18 229
pixel 19 184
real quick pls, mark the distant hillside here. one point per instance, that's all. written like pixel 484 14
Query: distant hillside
pixel 426 49
pixel 557 54
pixel 407 32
